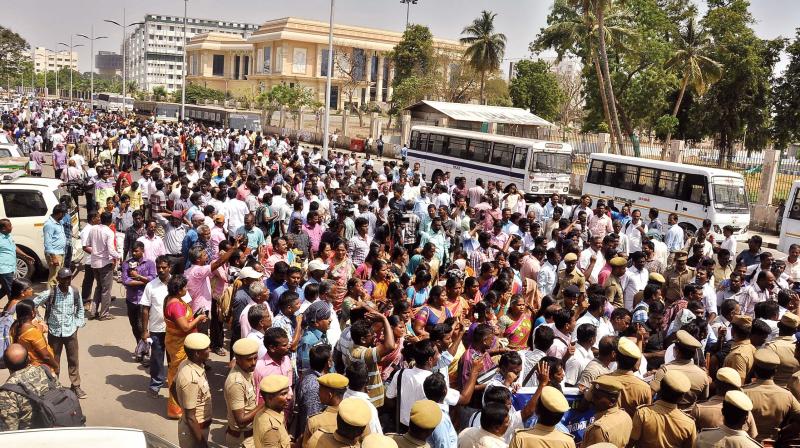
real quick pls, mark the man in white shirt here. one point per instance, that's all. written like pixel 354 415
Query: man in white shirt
pixel 356 374
pixel 793 264
pixel 235 211
pixel 583 353
pixel 729 242
pixel 594 251
pixel 548 274
pixel 104 257
pixel 92 219
pixel 635 231
pixel 636 276
pixel 674 238
pixel 153 326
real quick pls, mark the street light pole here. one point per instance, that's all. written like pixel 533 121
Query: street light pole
pixel 408 8
pixel 183 65
pixel 91 43
pixel 124 27
pixel 71 47
pixel 327 120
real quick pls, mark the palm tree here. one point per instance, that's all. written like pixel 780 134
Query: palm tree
pixel 486 48
pixel 692 61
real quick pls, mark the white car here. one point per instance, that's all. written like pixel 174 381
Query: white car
pixel 28 202
pixel 83 437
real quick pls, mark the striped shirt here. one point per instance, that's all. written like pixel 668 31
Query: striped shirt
pixel 369 356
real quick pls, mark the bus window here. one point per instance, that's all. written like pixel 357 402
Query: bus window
pixel 596 172
pixel 520 157
pixel 610 175
pixel 694 188
pixel 630 175
pixel 647 180
pixel 457 147
pixel 438 144
pixel 794 211
pixel 668 182
pixel 423 142
pixel 479 150
pixel 414 139
pixel 502 154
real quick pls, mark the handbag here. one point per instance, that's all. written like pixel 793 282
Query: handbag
pixel 142 349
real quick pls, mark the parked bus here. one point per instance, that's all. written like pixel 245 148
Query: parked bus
pixel 112 102
pixel 695 193
pixel 538 168
pixel 790 224
pixel 157 110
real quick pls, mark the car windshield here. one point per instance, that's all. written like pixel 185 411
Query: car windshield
pixel 730 195
pixel 549 162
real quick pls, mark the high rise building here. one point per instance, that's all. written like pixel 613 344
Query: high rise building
pixel 108 63
pixel 53 60
pixel 154 50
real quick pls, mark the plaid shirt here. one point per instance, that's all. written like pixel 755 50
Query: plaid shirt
pixel 65 317
pixel 158 202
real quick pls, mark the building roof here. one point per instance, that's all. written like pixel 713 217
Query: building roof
pixel 476 112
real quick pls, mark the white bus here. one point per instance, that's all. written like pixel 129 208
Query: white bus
pixel 537 167
pixel 790 225
pixel 693 192
pixel 112 102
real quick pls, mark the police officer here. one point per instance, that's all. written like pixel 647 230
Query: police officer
pixel 677 276
pixel 425 416
pixel 378 441
pixel 735 410
pixel 771 403
pixel 742 353
pixel 571 275
pixel 269 430
pixel 240 394
pixel 635 392
pixel 611 424
pixel 784 347
pixel 353 418
pixel 613 285
pixel 550 409
pixel 662 424
pixel 331 392
pixel 193 393
pixel 708 414
pixel 685 348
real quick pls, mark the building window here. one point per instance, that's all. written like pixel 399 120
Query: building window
pixel 279 60
pixel 359 64
pixel 218 65
pixel 245 67
pixel 236 60
pixel 323 66
pixel 266 66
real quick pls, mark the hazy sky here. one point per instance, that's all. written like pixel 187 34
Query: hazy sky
pixel 47 22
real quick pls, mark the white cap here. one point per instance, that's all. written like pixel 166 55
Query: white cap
pixel 317 265
pixel 249 272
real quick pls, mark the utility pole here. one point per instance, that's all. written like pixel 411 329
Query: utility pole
pixel 71 69
pixel 91 43
pixel 327 126
pixel 183 65
pixel 124 27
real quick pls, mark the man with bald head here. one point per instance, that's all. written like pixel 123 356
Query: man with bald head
pixel 16 411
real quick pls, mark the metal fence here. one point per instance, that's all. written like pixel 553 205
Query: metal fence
pixel 749 164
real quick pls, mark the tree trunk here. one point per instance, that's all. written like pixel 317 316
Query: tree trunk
pixel 603 98
pixel 612 106
pixel 483 83
pixel 668 140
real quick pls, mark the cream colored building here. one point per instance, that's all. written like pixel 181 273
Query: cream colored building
pixel 295 51
pixel 44 59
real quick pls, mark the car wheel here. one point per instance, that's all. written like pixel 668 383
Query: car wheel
pixel 25 269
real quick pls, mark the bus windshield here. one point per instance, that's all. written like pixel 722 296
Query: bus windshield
pixel 551 162
pixel 729 195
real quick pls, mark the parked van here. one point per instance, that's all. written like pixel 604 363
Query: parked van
pixel 790 225
pixel 28 202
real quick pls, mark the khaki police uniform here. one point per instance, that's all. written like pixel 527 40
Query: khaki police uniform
pixel 240 393
pixel 614 291
pixel 708 415
pixel 662 425
pixel 697 376
pixel 541 436
pixel 193 392
pixel 324 438
pixel 741 358
pixel 771 404
pixel 676 280
pixel 408 441
pixel 269 430
pixel 794 385
pixel 612 426
pixel 724 437
pixel 784 347
pixel 573 278
pixel 324 420
pixel 635 392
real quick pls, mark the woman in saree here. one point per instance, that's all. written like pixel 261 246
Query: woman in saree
pixel 516 325
pixel 340 270
pixel 181 321
pixel 434 312
pixel 364 272
pixel 29 334
pixel 378 283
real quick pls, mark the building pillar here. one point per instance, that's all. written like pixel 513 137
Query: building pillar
pixel 603 142
pixel 345 120
pixel 389 88
pixel 301 117
pixel 368 68
pixel 379 85
pixel 769 173
pixel 374 125
pixel 676 151
pixel 405 127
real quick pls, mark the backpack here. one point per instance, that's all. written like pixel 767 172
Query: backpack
pixel 227 299
pixel 6 319
pixel 58 407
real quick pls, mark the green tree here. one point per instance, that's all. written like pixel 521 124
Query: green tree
pixel 159 93
pixel 693 63
pixel 535 88
pixel 486 48
pixel 497 93
pixel 13 54
pixel 786 100
pixel 737 108
pixel 413 55
pixel 282 95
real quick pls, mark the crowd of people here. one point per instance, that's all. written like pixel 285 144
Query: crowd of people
pixel 363 304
